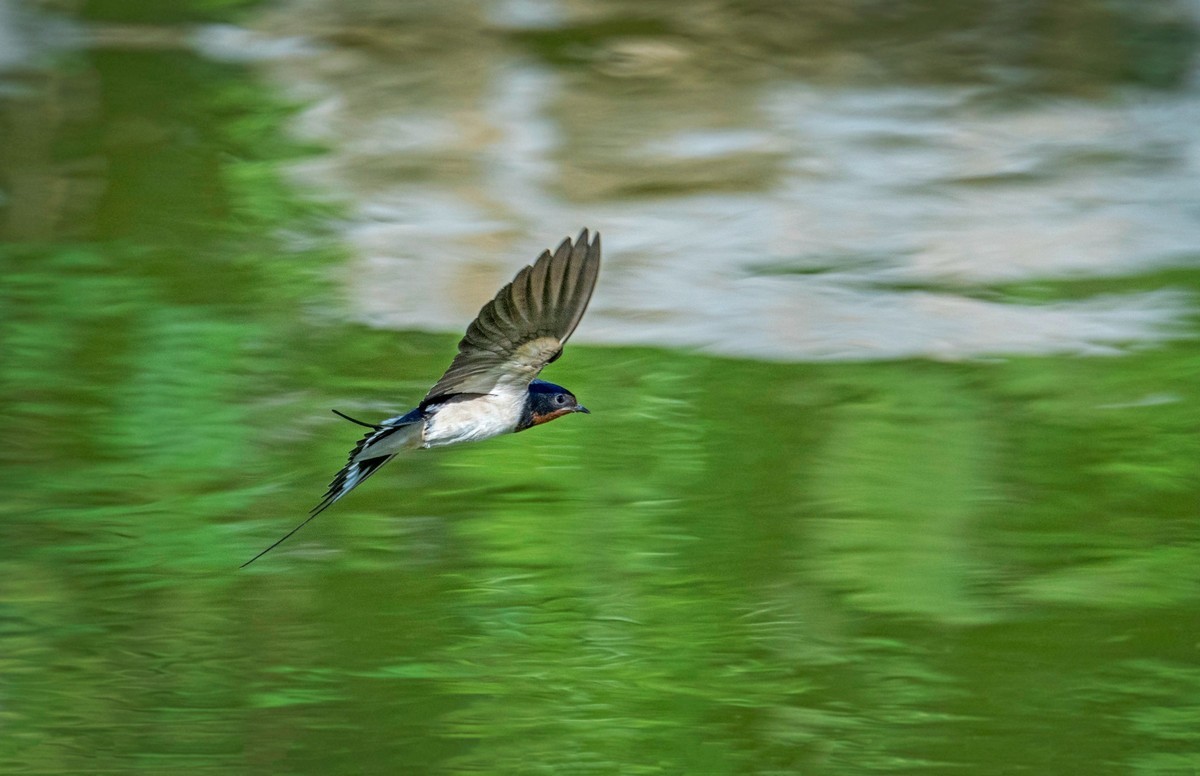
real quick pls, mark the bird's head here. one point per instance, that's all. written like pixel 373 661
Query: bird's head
pixel 546 402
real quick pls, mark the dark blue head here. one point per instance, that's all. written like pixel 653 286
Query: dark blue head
pixel 547 401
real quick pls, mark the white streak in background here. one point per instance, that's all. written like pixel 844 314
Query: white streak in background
pixel 30 37
pixel 420 265
pixel 870 193
pixel 526 14
pixel 711 144
pixel 228 43
pixel 14 49
pixel 1058 190
pixel 521 161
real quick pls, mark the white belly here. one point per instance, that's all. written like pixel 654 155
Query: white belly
pixel 474 419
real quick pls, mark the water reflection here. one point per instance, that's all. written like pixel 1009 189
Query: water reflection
pixel 735 565
pixel 905 210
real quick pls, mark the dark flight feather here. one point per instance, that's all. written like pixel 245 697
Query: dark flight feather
pixel 525 326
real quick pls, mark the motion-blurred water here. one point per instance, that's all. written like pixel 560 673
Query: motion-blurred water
pixel 892 464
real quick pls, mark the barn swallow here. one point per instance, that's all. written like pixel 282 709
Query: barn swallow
pixel 491 387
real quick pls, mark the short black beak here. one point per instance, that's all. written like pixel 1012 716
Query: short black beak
pixel 583 409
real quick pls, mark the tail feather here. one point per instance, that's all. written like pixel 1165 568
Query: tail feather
pixel 357 469
pixel 361 463
pixel 356 421
pixel 349 478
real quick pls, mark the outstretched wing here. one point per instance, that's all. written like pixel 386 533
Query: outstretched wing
pixel 520 331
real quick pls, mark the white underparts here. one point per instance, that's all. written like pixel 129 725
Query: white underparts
pixel 471 420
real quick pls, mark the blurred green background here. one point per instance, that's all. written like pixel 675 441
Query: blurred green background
pixel 761 554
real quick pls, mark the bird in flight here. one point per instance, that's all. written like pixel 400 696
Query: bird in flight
pixel 491 387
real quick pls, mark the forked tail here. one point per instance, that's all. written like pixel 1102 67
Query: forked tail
pixel 360 465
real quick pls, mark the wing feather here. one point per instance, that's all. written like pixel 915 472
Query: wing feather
pixel 526 325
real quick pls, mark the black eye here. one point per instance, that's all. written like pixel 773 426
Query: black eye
pixel 560 398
